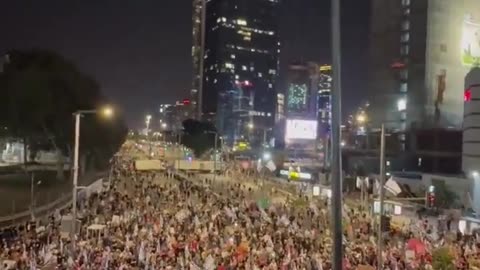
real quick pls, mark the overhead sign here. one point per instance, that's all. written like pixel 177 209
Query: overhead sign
pixel 296 175
pixel 301 129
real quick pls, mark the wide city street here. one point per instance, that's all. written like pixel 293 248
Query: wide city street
pixel 156 220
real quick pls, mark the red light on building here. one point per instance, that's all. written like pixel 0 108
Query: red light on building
pixel 186 102
pixel 244 84
pixel 467 95
pixel 397 65
pixel 431 200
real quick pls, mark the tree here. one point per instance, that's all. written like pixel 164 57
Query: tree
pixel 198 136
pixel 40 92
pixel 442 259
pixel 444 197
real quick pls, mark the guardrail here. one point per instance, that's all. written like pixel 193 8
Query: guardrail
pixel 41 212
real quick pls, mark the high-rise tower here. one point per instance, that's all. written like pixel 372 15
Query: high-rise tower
pixel 241 67
pixel 197 52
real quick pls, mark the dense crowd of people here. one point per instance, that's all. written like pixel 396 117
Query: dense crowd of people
pixel 145 221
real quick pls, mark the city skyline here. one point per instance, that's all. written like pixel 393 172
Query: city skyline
pixel 141 61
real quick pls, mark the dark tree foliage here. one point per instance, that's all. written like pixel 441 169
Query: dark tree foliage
pixel 40 91
pixel 198 136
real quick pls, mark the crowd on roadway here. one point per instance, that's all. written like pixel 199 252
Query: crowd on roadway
pixel 144 221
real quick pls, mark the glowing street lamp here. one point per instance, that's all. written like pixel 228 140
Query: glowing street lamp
pixel 361 118
pixel 105 112
pixel 250 125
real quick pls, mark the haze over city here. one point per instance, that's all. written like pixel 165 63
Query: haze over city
pixel 240 134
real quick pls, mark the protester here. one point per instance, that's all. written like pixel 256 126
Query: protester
pixel 146 221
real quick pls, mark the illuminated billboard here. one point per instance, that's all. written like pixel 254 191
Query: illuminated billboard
pixel 301 129
pixel 470 42
pixel 297 98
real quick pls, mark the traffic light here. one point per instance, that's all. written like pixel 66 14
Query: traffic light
pixel 431 200
pixel 431 196
pixel 386 223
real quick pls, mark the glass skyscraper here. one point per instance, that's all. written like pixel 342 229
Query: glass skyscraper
pixel 241 67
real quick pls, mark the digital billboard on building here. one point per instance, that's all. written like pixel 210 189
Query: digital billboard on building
pixel 301 129
pixel 453 47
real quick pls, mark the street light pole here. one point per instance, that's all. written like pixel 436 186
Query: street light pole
pixel 107 112
pixel 336 163
pixel 202 59
pixel 75 179
pixel 180 150
pixel 382 198
pixel 147 122
pixel 32 204
pixel 215 159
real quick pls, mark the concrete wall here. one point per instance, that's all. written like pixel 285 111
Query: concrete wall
pixel 461 186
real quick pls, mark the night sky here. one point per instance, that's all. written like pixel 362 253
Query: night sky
pixel 140 51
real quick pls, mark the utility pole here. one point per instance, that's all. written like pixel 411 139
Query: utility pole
pixel 179 148
pixel 215 159
pixel 75 181
pixel 202 60
pixel 382 198
pixel 336 162
pixel 32 204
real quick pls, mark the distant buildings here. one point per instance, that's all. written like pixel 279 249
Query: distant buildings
pixel 302 90
pixel 324 98
pixel 420 54
pixel 173 115
pixel 241 67
pixel 197 52
pixel 307 107
pixel 397 64
pixel 453 47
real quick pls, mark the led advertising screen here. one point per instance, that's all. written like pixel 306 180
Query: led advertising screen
pixel 301 129
pixel 470 42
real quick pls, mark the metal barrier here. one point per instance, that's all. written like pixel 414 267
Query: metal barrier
pixel 40 212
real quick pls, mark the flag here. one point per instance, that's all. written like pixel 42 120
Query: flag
pixel 230 213
pixel 141 252
pixel 33 264
pixel 393 187
pixel 359 182
pixel 271 166
pixel 259 165
pixel 209 263
pixel 263 203
pixel 193 266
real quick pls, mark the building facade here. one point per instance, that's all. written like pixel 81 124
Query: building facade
pixel 427 48
pixel 241 67
pixel 324 98
pixel 452 49
pixel 397 64
pixel 173 115
pixel 197 43
pixel 302 90
pixel 307 109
